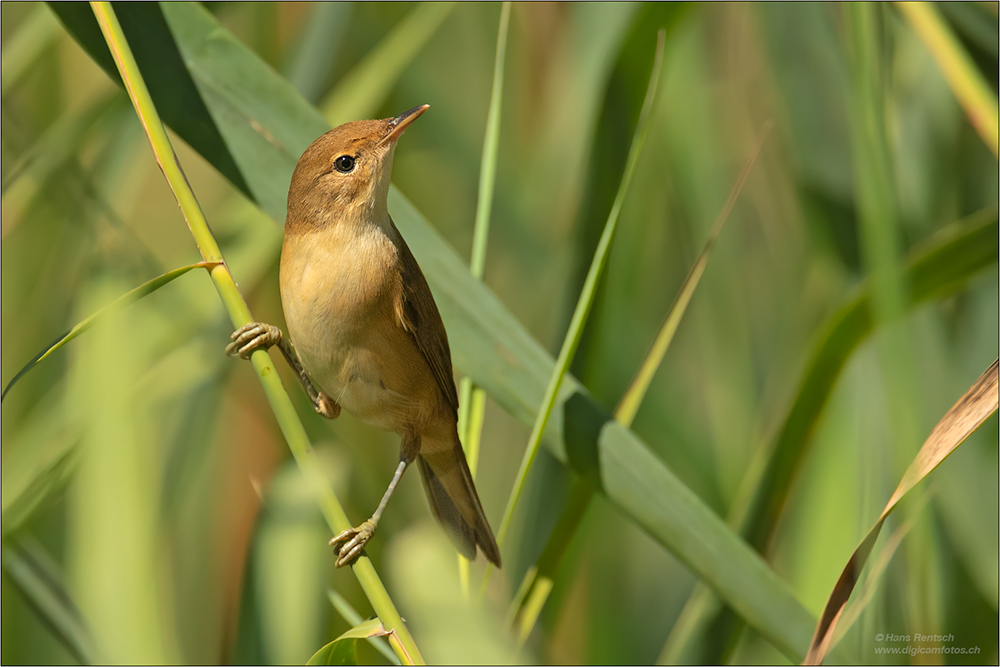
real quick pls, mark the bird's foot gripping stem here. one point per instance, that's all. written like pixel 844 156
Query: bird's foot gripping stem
pixel 252 337
pixel 349 544
pixel 260 336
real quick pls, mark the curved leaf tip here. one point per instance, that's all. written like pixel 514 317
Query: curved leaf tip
pixel 142 290
pixel 343 649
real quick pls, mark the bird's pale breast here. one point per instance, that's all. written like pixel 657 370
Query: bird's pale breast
pixel 337 290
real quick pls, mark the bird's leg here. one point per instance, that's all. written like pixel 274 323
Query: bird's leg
pixel 354 539
pixel 260 336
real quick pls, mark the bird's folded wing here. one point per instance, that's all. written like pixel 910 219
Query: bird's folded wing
pixel 418 315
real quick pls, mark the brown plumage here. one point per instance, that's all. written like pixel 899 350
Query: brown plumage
pixel 365 326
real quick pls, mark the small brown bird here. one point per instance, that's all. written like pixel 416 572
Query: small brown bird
pixel 365 327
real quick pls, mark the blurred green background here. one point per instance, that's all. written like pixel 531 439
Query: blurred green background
pixel 144 471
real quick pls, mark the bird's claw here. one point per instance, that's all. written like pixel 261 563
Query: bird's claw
pixel 326 406
pixel 354 540
pixel 251 337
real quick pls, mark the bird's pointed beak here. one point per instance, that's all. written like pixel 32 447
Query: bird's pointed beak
pixel 400 122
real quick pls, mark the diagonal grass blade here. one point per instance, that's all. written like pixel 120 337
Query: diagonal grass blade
pixel 129 297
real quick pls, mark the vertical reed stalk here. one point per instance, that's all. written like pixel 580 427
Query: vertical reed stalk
pixel 239 314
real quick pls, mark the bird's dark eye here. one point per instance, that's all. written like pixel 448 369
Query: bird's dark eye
pixel 344 164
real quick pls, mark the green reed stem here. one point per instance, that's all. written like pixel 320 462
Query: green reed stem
pixel 586 300
pixel 239 314
pixel 472 399
pixel 539 580
pixel 963 77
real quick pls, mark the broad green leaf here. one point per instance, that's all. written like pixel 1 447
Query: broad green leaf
pixel 173 88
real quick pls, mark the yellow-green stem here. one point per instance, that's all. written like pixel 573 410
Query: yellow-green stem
pixel 966 82
pixel 585 301
pixel 538 581
pixel 472 399
pixel 239 314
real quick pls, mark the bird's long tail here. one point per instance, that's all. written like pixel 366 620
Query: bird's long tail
pixel 453 499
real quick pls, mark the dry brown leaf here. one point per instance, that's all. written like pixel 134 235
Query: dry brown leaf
pixel 878 568
pixel 978 403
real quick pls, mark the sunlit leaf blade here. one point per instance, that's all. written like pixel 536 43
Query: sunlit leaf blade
pixel 491 144
pixel 472 411
pixel 129 297
pixel 472 400
pixel 35 576
pixel 975 22
pixel 587 295
pixel 961 421
pixel 540 578
pixel 629 405
pixel 973 93
pixel 699 611
pixel 343 649
pixel 359 94
pixel 225 73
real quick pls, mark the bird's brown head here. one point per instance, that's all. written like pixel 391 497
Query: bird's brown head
pixel 344 175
